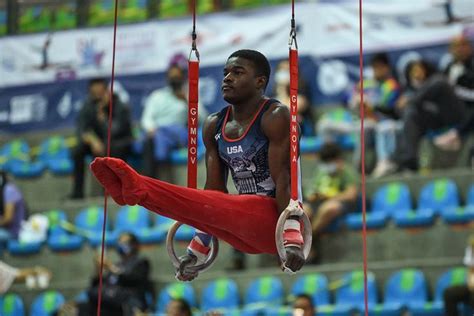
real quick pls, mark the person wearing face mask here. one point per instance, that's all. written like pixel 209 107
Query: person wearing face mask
pixel 126 284
pixel 92 129
pixel 431 105
pixel 12 210
pixel 282 92
pixel 164 118
pixel 334 191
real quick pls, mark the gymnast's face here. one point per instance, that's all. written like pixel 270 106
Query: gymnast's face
pixel 240 82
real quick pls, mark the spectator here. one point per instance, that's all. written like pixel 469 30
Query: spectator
pixel 461 76
pixel 303 306
pixel 12 209
pixel 335 189
pixel 433 106
pixel 164 120
pixel 125 284
pixel 282 93
pixel 92 127
pixel 9 275
pixel 178 307
pixel 462 293
pixel 380 97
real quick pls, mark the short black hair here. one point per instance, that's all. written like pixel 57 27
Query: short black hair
pixel 94 81
pixel 184 306
pixel 133 238
pixel 261 64
pixel 380 58
pixel 306 297
pixel 330 152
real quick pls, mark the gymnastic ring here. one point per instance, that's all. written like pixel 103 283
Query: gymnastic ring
pixel 174 259
pixel 293 208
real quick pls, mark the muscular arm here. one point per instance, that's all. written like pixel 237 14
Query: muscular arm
pixel 276 126
pixel 216 173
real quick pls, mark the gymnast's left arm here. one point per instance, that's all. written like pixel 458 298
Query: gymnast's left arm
pixel 276 126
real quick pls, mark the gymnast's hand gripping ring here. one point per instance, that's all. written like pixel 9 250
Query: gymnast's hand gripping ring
pixel 174 259
pixel 292 209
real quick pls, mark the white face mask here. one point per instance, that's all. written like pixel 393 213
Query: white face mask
pixel 282 77
pixel 330 168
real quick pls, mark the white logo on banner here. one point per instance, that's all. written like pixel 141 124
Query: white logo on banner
pixel 27 108
pixel 332 77
pixel 65 105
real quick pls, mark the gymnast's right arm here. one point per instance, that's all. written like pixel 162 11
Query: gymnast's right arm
pixel 216 179
pixel 216 174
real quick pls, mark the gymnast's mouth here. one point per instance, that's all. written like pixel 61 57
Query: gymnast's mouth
pixel 227 88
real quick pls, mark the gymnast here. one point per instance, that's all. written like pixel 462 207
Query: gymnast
pixel 251 138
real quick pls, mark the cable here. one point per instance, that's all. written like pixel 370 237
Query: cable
pixel 109 136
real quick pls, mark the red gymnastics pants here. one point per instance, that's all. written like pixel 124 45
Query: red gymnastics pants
pixel 246 222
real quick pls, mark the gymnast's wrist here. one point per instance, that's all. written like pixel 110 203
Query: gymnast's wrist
pixel 292 236
pixel 198 250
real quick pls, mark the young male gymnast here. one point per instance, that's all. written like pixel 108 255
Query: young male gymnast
pixel 251 138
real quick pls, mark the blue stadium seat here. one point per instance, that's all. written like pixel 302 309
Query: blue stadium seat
pixel 315 285
pixel 438 195
pixel 15 158
pixel 470 195
pixel 388 200
pixel 460 215
pixel 46 303
pixel 131 219
pixel 406 288
pixel 174 291
pixel 310 145
pixel 184 233
pixel 222 293
pixel 11 305
pixel 455 276
pixel 16 151
pixel 55 154
pixel 18 248
pixel 331 310
pixel 351 293
pixel 27 169
pixel 89 221
pixel 266 290
pixel 58 238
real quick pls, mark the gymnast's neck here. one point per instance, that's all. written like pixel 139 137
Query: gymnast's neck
pixel 246 110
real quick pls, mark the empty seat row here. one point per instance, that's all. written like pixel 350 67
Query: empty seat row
pixel 439 197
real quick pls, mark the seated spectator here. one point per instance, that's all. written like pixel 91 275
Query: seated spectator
pixel 462 293
pixel 380 97
pixel 303 306
pixel 335 189
pixel 32 276
pixel 460 75
pixel 92 129
pixel 282 93
pixel 164 119
pixel 12 209
pixel 432 107
pixel 125 283
pixel 178 307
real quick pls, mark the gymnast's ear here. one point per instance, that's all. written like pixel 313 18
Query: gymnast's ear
pixel 261 83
